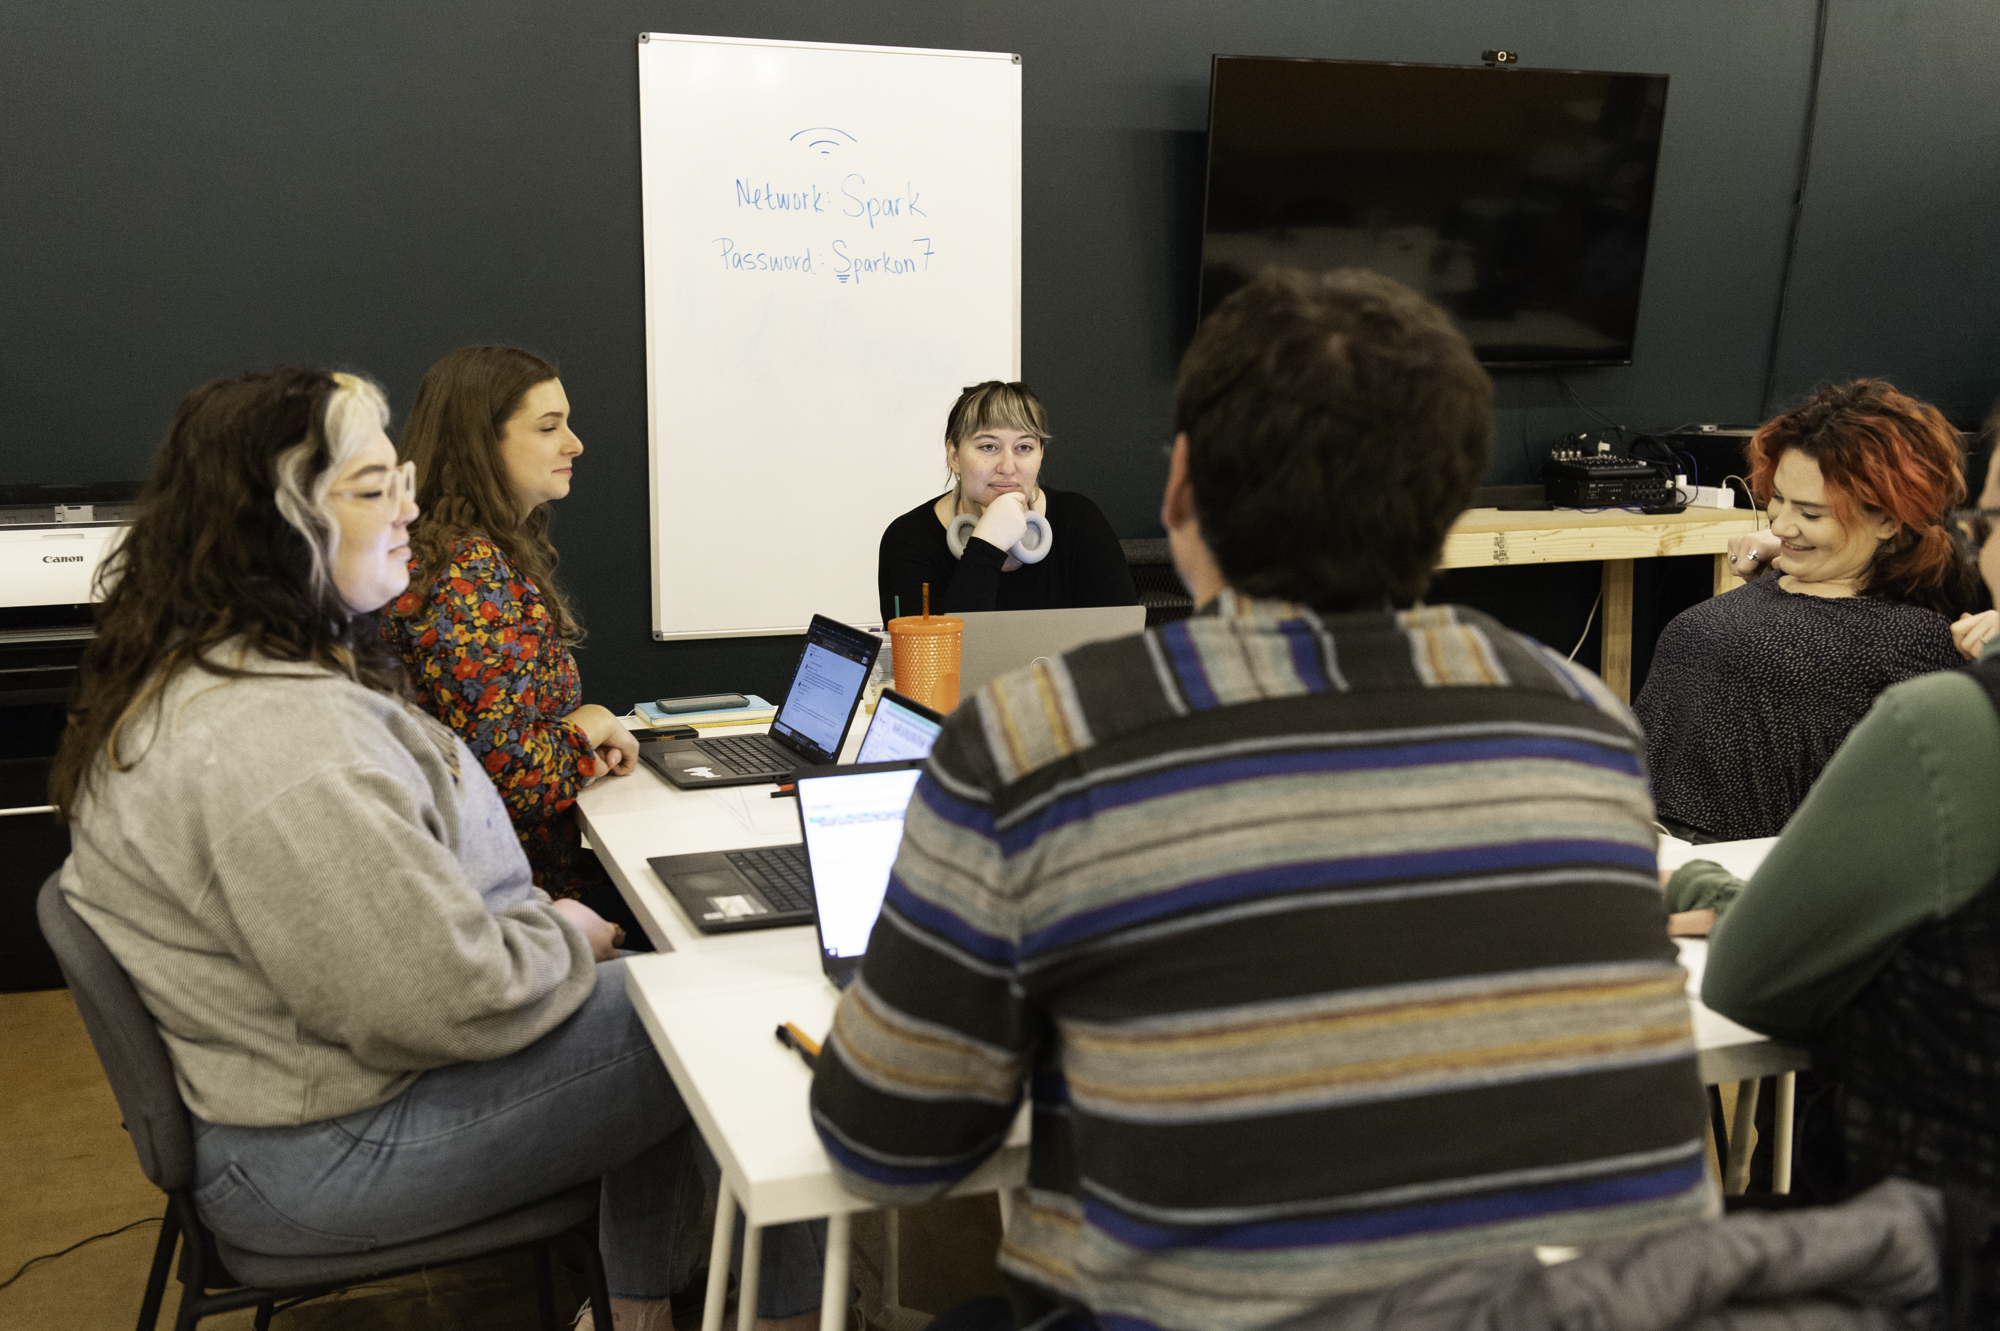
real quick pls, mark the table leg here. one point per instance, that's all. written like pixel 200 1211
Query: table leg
pixel 1614 659
pixel 718 1259
pixel 1718 1129
pixel 892 1263
pixel 833 1294
pixel 746 1286
pixel 1724 579
pixel 1742 1137
pixel 1781 1140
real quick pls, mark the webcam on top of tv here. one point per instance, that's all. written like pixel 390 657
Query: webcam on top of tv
pixel 1495 59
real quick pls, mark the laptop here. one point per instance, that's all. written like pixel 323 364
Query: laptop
pixel 853 821
pixel 808 730
pixel 768 887
pixel 997 641
pixel 901 728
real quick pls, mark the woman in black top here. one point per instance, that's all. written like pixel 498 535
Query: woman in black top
pixel 1853 588
pixel 995 439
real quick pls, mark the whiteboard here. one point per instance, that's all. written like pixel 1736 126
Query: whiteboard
pixel 832 251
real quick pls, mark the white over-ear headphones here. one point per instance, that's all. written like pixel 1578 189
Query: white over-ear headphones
pixel 1032 548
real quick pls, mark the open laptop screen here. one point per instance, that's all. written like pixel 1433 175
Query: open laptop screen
pixel 901 728
pixel 853 823
pixel 826 687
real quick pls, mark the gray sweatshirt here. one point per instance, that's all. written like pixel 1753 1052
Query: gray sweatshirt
pixel 318 894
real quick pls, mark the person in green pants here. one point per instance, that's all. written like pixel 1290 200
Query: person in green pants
pixel 1872 930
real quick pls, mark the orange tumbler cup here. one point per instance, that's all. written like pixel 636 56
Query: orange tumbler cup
pixel 927 655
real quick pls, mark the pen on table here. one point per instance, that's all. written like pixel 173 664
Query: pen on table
pixel 784 792
pixel 804 1045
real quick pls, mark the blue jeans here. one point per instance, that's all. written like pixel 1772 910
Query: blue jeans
pixel 590 1099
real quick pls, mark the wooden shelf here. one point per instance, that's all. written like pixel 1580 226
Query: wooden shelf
pixel 1484 537
pixel 1489 537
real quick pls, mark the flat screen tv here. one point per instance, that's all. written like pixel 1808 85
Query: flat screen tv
pixel 1517 199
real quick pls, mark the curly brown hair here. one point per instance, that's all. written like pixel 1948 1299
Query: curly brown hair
pixel 1336 424
pixel 453 435
pixel 231 546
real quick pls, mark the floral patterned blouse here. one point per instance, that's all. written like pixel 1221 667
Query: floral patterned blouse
pixel 484 660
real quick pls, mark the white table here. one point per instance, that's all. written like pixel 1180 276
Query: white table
pixel 1731 1052
pixel 712 1002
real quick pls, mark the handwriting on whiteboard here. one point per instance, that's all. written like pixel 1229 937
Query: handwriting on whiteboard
pixel 837 259
pixel 825 204
pixel 855 199
pixel 836 256
pixel 823 139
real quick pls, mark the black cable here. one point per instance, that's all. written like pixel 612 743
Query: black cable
pixel 51 1256
pixel 1798 211
pixel 1587 409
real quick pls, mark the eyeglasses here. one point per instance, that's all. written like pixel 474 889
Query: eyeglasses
pixel 389 494
pixel 1971 525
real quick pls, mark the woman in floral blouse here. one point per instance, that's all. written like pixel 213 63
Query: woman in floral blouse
pixel 483 629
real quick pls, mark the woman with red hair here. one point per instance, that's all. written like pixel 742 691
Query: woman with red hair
pixel 1853 588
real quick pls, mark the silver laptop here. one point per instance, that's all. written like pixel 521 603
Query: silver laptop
pixel 997 641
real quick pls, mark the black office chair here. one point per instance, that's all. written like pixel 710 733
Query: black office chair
pixel 136 1063
pixel 1159 585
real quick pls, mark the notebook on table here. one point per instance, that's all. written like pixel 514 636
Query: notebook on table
pixel 851 817
pixel 997 641
pixel 808 730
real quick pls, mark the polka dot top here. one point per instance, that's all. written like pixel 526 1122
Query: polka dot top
pixel 1752 691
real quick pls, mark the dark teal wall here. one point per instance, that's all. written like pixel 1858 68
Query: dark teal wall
pixel 190 190
pixel 1898 263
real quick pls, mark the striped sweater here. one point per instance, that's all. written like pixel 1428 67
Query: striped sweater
pixel 1328 950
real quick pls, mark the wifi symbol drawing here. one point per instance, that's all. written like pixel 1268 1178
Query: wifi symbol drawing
pixel 823 139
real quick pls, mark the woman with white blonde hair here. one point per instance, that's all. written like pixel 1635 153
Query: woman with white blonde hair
pixel 382 1028
pixel 999 539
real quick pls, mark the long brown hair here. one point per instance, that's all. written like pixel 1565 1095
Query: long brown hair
pixel 1881 450
pixel 230 546
pixel 453 435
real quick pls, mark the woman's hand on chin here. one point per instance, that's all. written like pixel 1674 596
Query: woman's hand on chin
pixel 1004 522
pixel 1753 552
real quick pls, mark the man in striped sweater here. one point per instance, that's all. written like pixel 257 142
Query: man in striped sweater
pixel 1322 929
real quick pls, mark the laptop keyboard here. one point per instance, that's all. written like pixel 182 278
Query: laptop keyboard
pixel 746 754
pixel 779 872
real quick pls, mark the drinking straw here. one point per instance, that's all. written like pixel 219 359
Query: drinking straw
pixel 897 601
pixel 927 602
